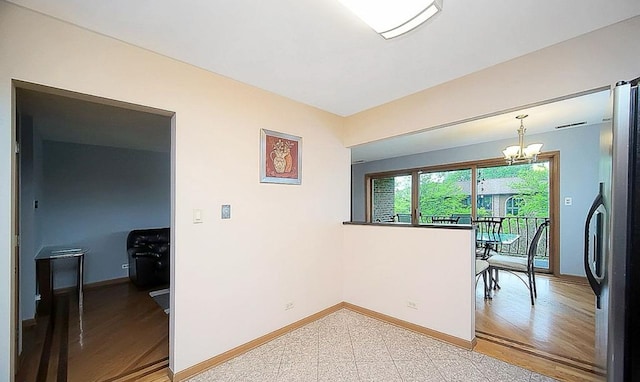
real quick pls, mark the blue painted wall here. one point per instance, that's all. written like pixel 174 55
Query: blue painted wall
pixel 92 196
pixel 579 166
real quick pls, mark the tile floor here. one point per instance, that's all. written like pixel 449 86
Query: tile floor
pixel 346 346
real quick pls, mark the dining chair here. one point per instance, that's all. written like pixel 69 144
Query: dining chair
pixel 482 269
pixel 445 219
pixel 516 264
pixel 488 236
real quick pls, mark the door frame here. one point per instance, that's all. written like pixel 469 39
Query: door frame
pixel 553 157
pixel 15 319
pixel 15 322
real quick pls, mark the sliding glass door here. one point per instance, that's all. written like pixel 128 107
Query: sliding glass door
pixel 523 195
pixel 520 195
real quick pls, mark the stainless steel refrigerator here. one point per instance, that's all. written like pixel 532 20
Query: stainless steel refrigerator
pixel 612 240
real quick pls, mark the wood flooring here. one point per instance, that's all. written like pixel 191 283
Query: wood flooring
pixel 121 334
pixel 556 337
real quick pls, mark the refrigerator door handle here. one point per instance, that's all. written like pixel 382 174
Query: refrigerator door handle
pixel 593 281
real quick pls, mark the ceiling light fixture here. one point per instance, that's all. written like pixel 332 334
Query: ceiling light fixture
pixel 519 153
pixel 392 18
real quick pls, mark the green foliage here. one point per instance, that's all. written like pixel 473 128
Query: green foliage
pixel 402 190
pixel 498 172
pixel 402 201
pixel 533 190
pixel 440 194
pixel 532 186
pixel 458 175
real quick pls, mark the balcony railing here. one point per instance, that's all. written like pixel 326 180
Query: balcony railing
pixel 526 228
pixel 523 226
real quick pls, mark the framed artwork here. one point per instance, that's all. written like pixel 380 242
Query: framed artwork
pixel 280 158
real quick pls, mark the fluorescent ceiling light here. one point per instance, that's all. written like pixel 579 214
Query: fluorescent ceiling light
pixel 393 18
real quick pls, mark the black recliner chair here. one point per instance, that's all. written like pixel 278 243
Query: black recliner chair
pixel 148 251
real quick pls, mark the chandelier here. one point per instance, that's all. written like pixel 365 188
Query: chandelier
pixel 519 153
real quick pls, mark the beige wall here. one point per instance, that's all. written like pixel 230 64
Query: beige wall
pixel 283 243
pixel 432 267
pixel 600 58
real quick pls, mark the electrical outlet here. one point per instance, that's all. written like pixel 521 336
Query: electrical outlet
pixel 38 297
pixel 412 304
pixel 289 305
pixel 125 266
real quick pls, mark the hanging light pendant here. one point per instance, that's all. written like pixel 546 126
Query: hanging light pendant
pixel 519 153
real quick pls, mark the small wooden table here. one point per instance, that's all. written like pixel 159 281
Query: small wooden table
pixel 44 272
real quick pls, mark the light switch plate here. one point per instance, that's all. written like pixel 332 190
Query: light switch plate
pixel 197 216
pixel 226 211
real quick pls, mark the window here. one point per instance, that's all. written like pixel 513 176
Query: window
pixel 521 189
pixel 461 192
pixel 444 194
pixel 513 205
pixel 391 199
pixel 464 190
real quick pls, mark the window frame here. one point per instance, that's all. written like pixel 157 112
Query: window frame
pixel 553 157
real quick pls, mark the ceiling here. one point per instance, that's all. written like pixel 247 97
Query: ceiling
pixel 67 119
pixel 317 53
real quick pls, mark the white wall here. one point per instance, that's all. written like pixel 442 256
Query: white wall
pixel 593 60
pixel 283 243
pixel 579 165
pixel 385 267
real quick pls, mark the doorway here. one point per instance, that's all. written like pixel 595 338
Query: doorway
pixel 557 333
pixel 520 195
pixel 91 171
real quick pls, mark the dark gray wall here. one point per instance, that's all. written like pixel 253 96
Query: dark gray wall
pixel 93 196
pixel 30 231
pixel 30 221
pixel 579 165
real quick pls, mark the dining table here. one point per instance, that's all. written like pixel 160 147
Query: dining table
pixel 496 238
pixel 490 240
